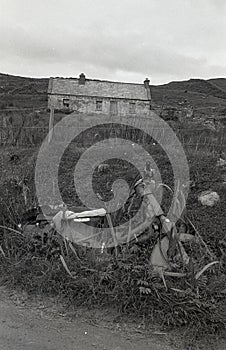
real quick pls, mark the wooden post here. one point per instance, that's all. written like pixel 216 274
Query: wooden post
pixel 51 124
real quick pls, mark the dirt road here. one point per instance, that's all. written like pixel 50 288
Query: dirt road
pixel 23 327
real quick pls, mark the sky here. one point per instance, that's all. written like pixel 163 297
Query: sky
pixel 122 40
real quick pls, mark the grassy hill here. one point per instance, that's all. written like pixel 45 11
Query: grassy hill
pixel 199 86
pixel 207 97
pixel 219 82
pixel 20 92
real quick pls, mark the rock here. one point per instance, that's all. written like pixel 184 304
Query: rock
pixel 221 162
pixel 209 198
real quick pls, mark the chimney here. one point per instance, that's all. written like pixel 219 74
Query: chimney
pixel 146 83
pixel 148 88
pixel 82 79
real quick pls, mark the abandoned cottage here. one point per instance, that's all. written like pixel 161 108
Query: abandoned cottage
pixel 99 96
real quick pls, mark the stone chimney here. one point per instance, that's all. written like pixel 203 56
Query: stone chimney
pixel 82 79
pixel 148 88
pixel 146 83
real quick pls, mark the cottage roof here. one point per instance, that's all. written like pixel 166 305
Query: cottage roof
pixel 97 88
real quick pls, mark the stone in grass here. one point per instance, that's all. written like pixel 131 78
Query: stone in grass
pixel 209 198
pixel 221 162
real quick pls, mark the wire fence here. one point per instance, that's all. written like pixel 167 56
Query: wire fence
pixel 30 127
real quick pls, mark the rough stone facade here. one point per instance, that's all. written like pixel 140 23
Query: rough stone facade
pixel 98 96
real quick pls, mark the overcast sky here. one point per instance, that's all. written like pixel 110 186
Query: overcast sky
pixel 125 40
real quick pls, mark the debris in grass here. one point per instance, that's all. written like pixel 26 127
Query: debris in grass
pixel 159 258
pixel 162 266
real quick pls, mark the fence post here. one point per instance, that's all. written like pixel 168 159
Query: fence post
pixel 51 124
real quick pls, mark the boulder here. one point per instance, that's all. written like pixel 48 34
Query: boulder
pixel 209 198
pixel 221 162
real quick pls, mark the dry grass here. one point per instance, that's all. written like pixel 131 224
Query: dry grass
pixel 44 263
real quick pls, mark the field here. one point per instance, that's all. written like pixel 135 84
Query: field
pixel 85 276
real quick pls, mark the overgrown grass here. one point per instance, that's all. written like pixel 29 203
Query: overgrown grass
pixel 33 262
pixel 101 279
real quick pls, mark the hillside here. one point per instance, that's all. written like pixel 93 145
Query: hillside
pixel 207 97
pixel 22 92
pixel 199 86
pixel 219 82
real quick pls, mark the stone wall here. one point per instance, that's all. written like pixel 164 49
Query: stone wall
pixel 88 105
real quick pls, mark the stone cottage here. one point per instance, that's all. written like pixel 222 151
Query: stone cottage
pixel 99 96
